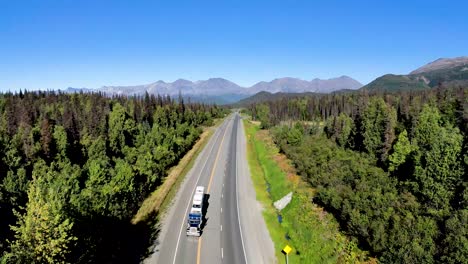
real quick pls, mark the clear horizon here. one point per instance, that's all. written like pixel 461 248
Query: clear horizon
pixel 58 44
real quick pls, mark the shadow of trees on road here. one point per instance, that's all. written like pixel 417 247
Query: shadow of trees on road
pixel 111 240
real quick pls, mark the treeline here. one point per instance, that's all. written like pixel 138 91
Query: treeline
pixel 392 168
pixel 323 106
pixel 74 169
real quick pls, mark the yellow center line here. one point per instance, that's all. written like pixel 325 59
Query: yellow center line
pixel 198 250
pixel 209 187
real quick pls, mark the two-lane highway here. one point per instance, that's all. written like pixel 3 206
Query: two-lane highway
pixel 220 167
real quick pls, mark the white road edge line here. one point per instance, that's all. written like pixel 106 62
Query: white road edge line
pixel 237 198
pixel 190 201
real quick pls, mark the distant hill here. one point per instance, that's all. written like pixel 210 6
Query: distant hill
pixel 447 72
pixel 223 99
pixel 391 82
pixel 455 75
pixel 222 91
pixel 263 96
pixel 441 64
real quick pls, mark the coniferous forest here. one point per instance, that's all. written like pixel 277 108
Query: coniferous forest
pixel 391 167
pixel 74 169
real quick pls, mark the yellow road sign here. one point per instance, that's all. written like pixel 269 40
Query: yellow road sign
pixel 287 249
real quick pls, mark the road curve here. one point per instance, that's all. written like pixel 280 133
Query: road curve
pixel 221 168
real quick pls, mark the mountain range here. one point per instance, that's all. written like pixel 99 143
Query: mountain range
pixel 443 71
pixel 220 90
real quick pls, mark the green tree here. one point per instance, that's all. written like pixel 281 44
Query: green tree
pixel 340 128
pixel 43 233
pixel 263 115
pixel 295 135
pixel 411 239
pixel 379 122
pixel 16 186
pixel 97 167
pixel 438 169
pixel 401 151
pixel 455 243
pixel 61 141
pixel 117 119
pixel 119 192
pixel 108 191
pixel 302 105
pixel 428 125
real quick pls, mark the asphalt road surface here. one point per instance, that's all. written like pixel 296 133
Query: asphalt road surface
pixel 234 230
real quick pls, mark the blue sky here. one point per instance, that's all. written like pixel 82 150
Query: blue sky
pixel 56 44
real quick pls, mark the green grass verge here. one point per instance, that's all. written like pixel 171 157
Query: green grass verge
pixel 314 234
pixel 258 167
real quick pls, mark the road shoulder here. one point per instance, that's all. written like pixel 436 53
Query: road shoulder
pixel 258 244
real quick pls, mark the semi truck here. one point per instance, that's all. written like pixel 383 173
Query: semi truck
pixel 195 217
